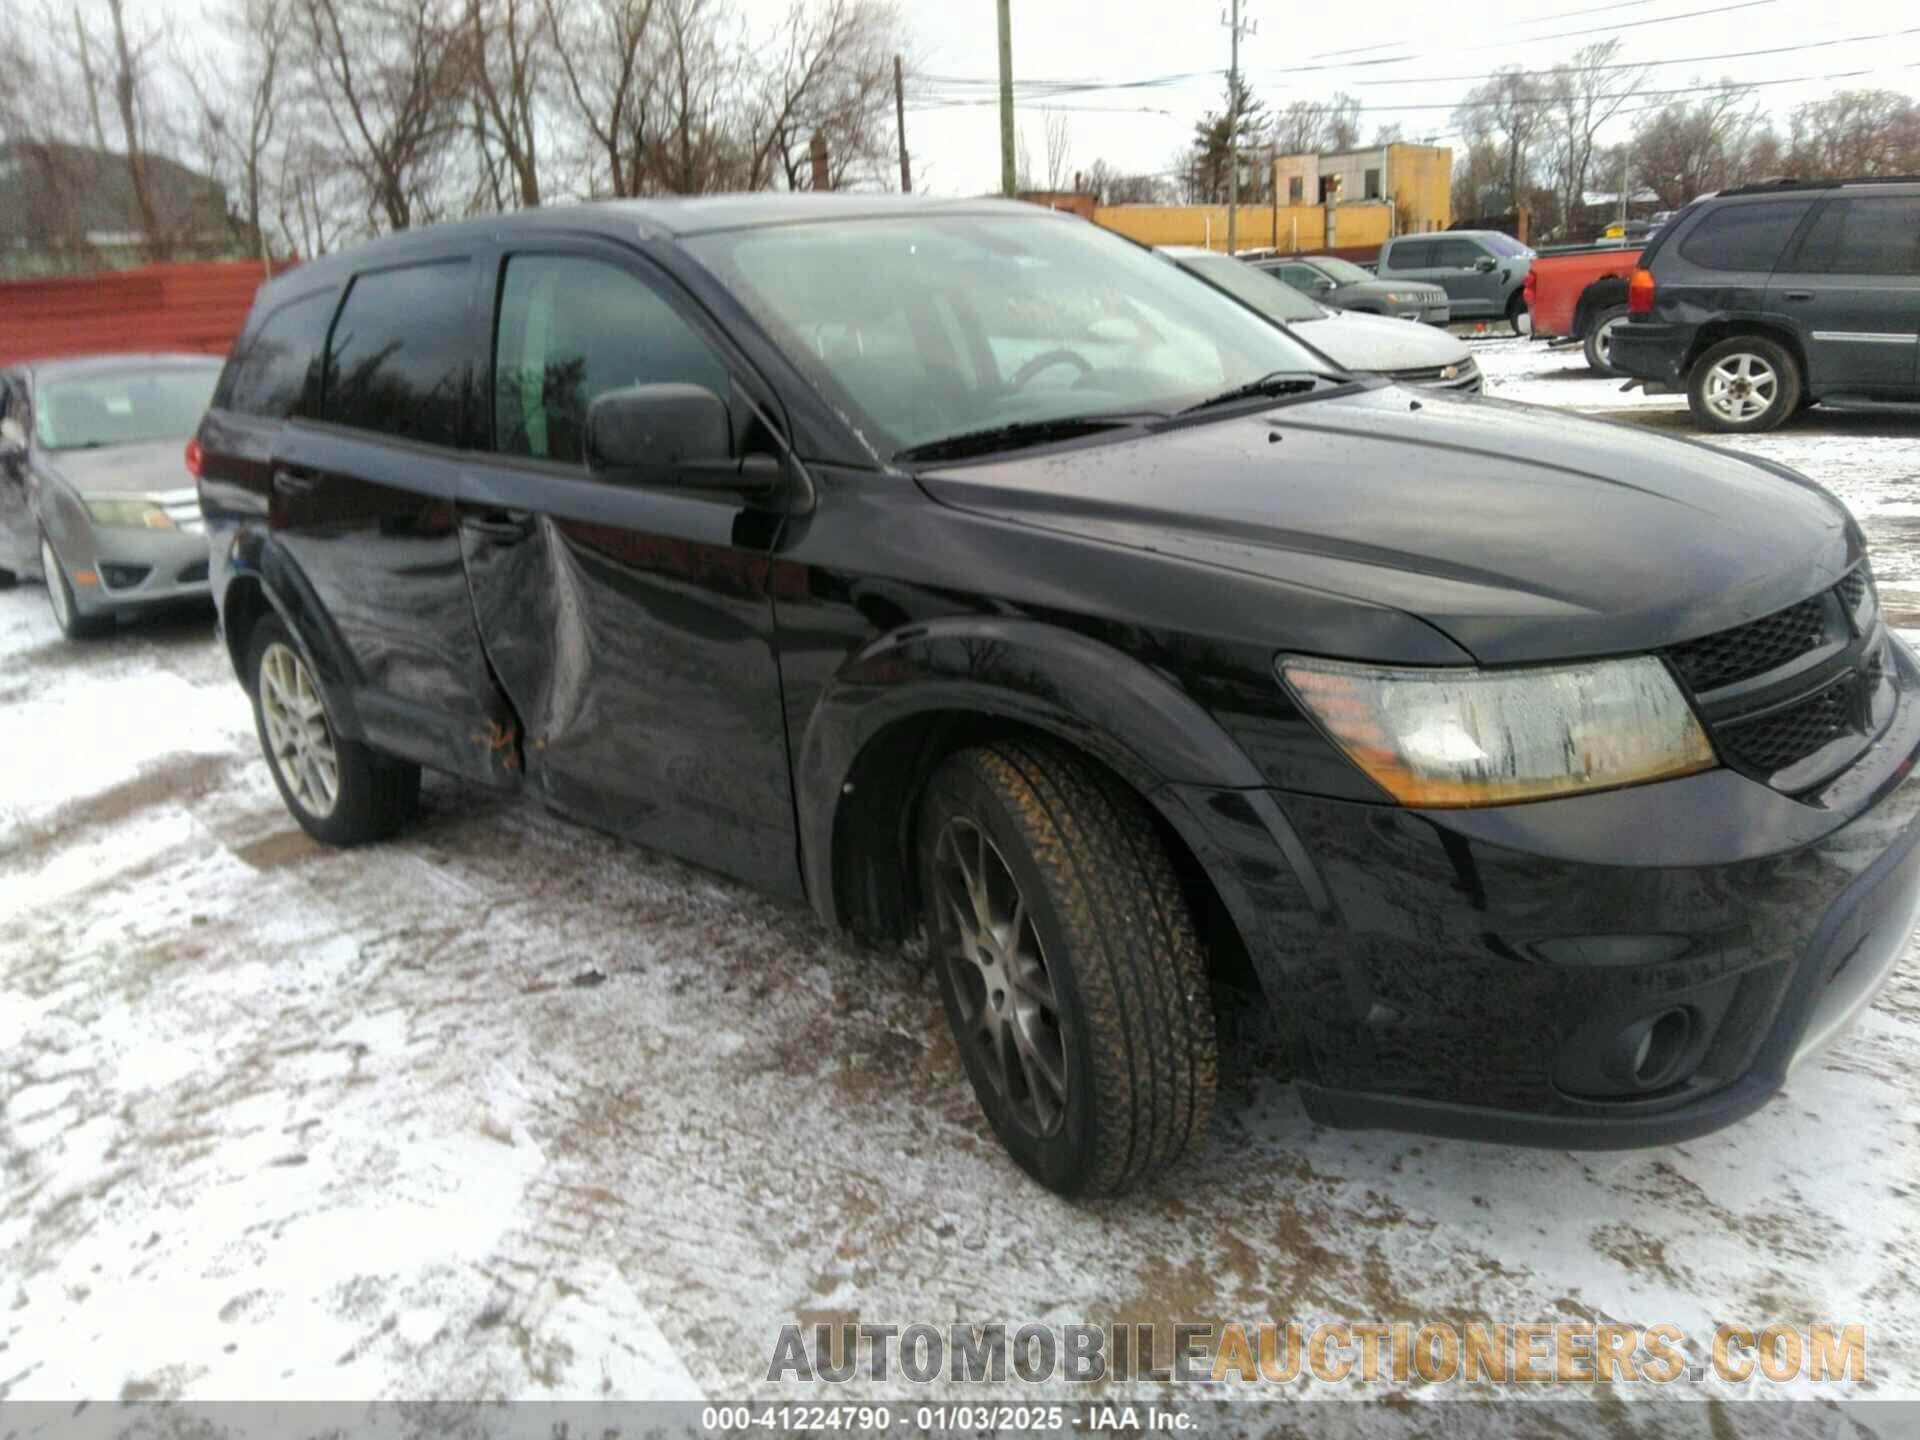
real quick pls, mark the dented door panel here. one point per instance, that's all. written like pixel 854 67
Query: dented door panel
pixel 633 632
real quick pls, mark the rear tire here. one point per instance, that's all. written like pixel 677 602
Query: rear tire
pixel 339 791
pixel 66 611
pixel 1069 965
pixel 1744 385
pixel 1598 344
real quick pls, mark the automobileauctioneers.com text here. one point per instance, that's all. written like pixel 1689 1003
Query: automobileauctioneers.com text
pixel 1251 1356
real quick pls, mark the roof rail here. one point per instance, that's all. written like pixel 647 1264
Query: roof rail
pixel 1788 182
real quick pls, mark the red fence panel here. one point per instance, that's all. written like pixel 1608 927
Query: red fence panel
pixel 197 305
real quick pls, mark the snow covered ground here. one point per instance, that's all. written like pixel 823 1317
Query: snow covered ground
pixel 509 1109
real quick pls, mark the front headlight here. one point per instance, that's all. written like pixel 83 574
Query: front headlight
pixel 1392 298
pixel 1460 737
pixel 130 512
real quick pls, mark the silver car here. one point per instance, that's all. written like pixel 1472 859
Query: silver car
pixel 92 457
pixel 1365 344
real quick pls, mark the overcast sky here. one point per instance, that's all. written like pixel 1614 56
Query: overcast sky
pixel 1447 49
pixel 1409 61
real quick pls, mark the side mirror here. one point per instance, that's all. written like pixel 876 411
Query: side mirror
pixel 13 444
pixel 1322 286
pixel 1485 263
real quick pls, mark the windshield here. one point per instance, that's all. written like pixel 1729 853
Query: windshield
pixel 1268 294
pixel 940 325
pixel 124 407
pixel 1504 245
pixel 1341 272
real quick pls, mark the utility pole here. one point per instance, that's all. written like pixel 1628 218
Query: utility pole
pixel 1232 21
pixel 1006 99
pixel 900 119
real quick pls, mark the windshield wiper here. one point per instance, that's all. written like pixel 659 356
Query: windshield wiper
pixel 1023 432
pixel 1276 384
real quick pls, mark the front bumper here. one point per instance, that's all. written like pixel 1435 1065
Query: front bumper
pixel 1650 350
pixel 139 567
pixel 1468 973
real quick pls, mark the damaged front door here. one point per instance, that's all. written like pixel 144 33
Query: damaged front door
pixel 630 627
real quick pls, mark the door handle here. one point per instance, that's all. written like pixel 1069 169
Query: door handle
pixel 1796 295
pixel 294 482
pixel 502 527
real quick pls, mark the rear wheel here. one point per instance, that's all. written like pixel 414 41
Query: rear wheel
pixel 1745 384
pixel 1068 964
pixel 66 611
pixel 1599 341
pixel 339 790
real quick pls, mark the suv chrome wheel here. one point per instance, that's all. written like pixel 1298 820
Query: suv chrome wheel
pixel 998 967
pixel 299 740
pixel 1741 388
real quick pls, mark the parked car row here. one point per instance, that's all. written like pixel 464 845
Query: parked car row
pixel 969 572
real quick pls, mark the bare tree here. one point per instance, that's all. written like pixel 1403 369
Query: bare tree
pixel 1856 132
pixel 129 82
pixel 1059 133
pixel 240 102
pixel 829 70
pixel 391 78
pixel 606 53
pixel 508 41
pixel 1506 109
pixel 1690 147
pixel 1342 128
pixel 1585 94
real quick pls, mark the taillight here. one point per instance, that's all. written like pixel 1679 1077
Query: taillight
pixel 1640 293
pixel 1528 289
pixel 195 460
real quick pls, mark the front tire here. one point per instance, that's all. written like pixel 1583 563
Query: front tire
pixel 1517 316
pixel 66 610
pixel 1744 385
pixel 1598 344
pixel 339 791
pixel 1069 966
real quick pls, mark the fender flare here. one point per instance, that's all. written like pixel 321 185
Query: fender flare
pixel 255 559
pixel 1087 693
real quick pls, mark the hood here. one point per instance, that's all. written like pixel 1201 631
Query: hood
pixel 1376 343
pixel 1522 534
pixel 152 468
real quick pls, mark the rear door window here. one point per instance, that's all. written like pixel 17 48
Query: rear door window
pixel 279 373
pixel 1864 235
pixel 1744 237
pixel 572 328
pixel 399 362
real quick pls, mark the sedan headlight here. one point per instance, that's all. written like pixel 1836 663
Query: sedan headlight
pixel 1393 297
pixel 1461 737
pixel 142 513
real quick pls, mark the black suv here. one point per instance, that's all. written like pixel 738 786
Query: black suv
pixel 962 567
pixel 1763 299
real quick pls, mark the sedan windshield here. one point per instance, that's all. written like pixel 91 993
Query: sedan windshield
pixel 124 407
pixel 1341 272
pixel 936 326
pixel 1268 294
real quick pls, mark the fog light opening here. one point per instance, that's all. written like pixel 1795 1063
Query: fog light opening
pixel 1660 1045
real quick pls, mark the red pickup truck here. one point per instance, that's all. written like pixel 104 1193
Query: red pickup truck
pixel 1581 295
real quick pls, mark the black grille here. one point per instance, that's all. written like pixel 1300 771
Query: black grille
pixel 123 577
pixel 193 574
pixel 1753 648
pixel 1788 736
pixel 1854 588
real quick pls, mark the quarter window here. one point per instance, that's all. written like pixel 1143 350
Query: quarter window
pixel 1877 235
pixel 1743 237
pixel 273 376
pixel 399 362
pixel 572 328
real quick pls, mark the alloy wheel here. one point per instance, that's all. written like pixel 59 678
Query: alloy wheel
pixel 1603 342
pixel 299 739
pixel 986 938
pixel 1741 388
